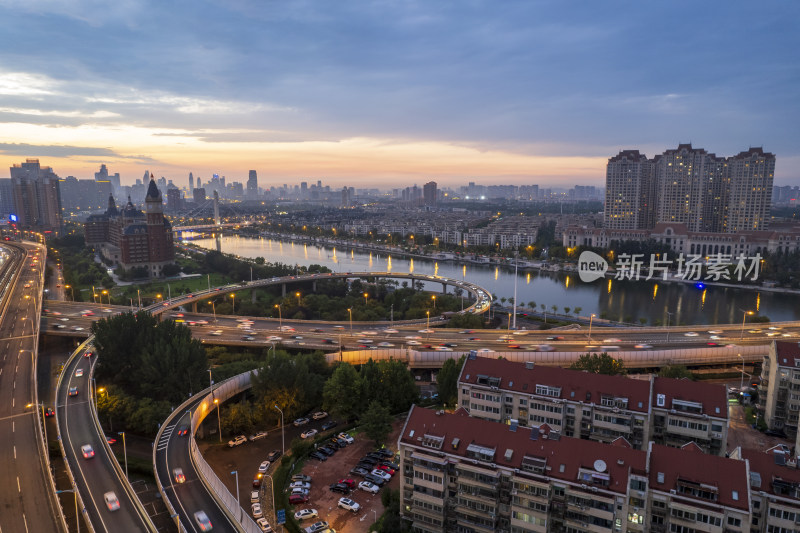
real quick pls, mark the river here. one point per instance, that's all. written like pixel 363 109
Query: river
pixel 617 300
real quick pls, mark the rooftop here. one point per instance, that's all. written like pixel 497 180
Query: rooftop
pixel 691 396
pixel 770 473
pixel 788 353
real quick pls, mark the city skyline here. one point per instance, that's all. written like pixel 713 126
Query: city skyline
pixel 536 93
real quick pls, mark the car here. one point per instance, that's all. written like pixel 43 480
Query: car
pixel 390 331
pixel 274 338
pixel 385 345
pixel 258 436
pixel 49 412
pixel 299 491
pixel 73 391
pixel 202 521
pixel 393 466
pixel 370 460
pixel 643 346
pixel 426 330
pixel 341 443
pixel 77 328
pixel 257 481
pixel 359 471
pixel 305 514
pixel 328 341
pixel 716 337
pixel 474 338
pixel 775 433
pixel 305 485
pixel 327 450
pixel 294 499
pixel 183 430
pixel 256 510
pixel 378 480
pixel 381 474
pixel 307 434
pixel 364 341
pixel 555 338
pixel 286 328
pixel 300 422
pixel 348 504
pixel 349 482
pixel 365 466
pixel 87 451
pixel 340 488
pixel 318 456
pixel 546 348
pixel 177 473
pixel 264 466
pixel 297 337
pixel 466 331
pixel 715 331
pixel 319 415
pixel 366 486
pixel 330 424
pixel 79 373
pixel 317 527
pixel 248 338
pixel 388 469
pixel 112 502
pixel 413 343
pixel 712 343
pixel 237 441
pixel 690 334
pixel 512 346
pixel 264 525
pixel 59 326
pixel 87 354
pixel 413 337
pixel 273 455
pixel 301 477
pixel 345 437
pixel 255 496
pixel 446 349
pixel 215 333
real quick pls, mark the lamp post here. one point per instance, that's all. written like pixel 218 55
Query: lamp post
pixel 428 323
pixel 72 294
pixel 744 317
pixel 233 303
pixel 280 318
pixel 219 419
pixel 516 271
pixel 741 382
pixel 238 501
pixel 349 310
pixel 297 295
pixel 366 295
pixel 272 486
pixel 669 318
pixel 159 297
pixel 125 452
pixel 214 310
pixel 74 490
pixel 591 317
pixel 433 297
pixel 283 431
pixel 139 296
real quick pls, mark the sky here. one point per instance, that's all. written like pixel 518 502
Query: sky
pixel 391 93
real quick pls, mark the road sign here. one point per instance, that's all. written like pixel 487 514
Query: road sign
pixel 281 516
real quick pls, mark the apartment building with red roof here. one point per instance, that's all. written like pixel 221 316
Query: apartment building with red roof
pixel 779 389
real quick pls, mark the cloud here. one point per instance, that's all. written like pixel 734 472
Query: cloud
pixel 58 151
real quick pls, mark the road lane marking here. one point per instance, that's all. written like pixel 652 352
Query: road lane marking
pixel 19 488
pixel 15 453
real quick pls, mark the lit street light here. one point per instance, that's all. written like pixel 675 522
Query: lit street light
pixel 238 501
pixel 280 318
pixel 233 303
pixel 214 309
pixel 366 295
pixel 351 320
pixel 125 452
pixel 72 294
pixel 434 301
pixel 591 317
pixel 744 317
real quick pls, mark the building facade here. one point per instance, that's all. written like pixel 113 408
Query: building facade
pixel 779 389
pixel 463 474
pixel 132 239
pixel 692 187
pixel 37 200
pixel 596 407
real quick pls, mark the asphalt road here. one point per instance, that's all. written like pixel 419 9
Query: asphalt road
pixel 25 494
pixel 96 475
pixel 172 451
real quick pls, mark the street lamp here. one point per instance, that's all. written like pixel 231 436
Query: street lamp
pixel 125 452
pixel 741 382
pixel 669 318
pixel 434 301
pixel 238 501
pixel 109 297
pixel 214 309
pixel 74 490
pixel 219 419
pixel 366 295
pixel 280 318
pixel 744 317
pixel 272 485
pixel 349 310
pixel 233 303
pixel 72 294
pixel 139 296
pixel 297 295
pixel 159 297
pixel 428 321
pixel 591 317
pixel 283 431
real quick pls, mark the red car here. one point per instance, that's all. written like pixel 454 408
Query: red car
pixel 389 470
pixel 349 482
pixel 298 498
pixel 87 354
pixel 49 412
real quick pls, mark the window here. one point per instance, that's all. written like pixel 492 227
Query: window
pixel 733 521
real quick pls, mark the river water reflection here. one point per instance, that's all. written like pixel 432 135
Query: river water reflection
pixel 618 300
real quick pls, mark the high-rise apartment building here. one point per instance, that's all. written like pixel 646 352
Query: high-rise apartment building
pixel 751 175
pixel 429 191
pixel 779 389
pixel 37 200
pixel 199 195
pixel 689 186
pixel 252 185
pixel 191 182
pixel 630 193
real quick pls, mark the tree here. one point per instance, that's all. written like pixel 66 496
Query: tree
pixel 554 307
pixel 578 311
pixel 377 422
pixel 676 372
pixel 599 364
pixel 237 418
pixel 567 310
pixel 532 305
pixel 447 380
pixel 341 394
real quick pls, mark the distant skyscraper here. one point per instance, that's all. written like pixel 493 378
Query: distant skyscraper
pixel 429 193
pixel 103 175
pixel 680 176
pixel 252 184
pixel 629 191
pixel 751 176
pixel 174 200
pixel 199 195
pixel 191 181
pixel 37 201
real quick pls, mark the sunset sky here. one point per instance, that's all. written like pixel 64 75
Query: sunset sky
pixel 392 93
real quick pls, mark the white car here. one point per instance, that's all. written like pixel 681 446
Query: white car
pixel 274 338
pixel 345 437
pixel 286 328
pixel 215 333
pixel 111 501
pixel 369 487
pixel 390 331
pixel 369 332
pixel 386 345
pixel 237 441
pixel 350 505
pixel 300 485
pixel 202 520
pixel 258 436
pixel 413 337
pixel 319 415
pixel 690 334
pixel 413 343
pixel 307 434
pixel 264 525
pixel 79 373
pixel 304 514
pixel 263 467
pixel 427 330
pixel 381 474
pixel 256 508
pixel 255 497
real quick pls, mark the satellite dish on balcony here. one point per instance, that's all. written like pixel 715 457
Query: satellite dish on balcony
pixel 600 465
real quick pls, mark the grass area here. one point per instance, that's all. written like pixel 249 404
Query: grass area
pixel 137 468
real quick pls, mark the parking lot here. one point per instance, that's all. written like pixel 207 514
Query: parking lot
pixel 246 458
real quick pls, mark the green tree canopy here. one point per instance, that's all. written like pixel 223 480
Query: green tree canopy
pixel 675 371
pixel 447 380
pixel 342 392
pixel 377 422
pixel 599 364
